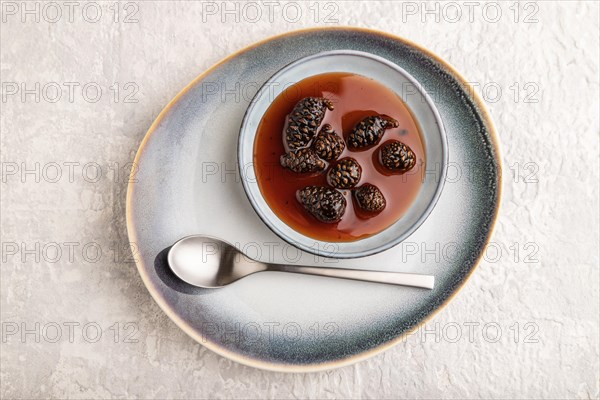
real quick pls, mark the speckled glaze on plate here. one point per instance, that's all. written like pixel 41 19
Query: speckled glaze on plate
pixel 187 182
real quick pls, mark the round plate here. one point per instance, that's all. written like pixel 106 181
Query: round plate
pixel 421 107
pixel 187 183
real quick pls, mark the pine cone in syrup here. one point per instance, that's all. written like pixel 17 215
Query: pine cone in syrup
pixel 370 198
pixel 304 120
pixel 328 144
pixel 325 204
pixel 345 173
pixel 370 130
pixel 302 161
pixel 397 156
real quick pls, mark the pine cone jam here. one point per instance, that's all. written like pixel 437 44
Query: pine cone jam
pixel 370 130
pixel 369 198
pixel 397 157
pixel 329 145
pixel 304 120
pixel 325 204
pixel 337 157
pixel 345 174
pixel 302 161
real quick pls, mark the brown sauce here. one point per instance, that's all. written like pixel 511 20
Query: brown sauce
pixel 355 97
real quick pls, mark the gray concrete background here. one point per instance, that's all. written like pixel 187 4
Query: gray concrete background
pixel 77 321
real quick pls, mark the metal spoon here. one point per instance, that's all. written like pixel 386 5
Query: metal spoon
pixel 211 263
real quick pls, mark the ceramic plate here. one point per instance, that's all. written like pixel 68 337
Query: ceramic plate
pixel 187 182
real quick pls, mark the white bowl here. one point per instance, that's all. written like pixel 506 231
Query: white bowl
pixel 424 112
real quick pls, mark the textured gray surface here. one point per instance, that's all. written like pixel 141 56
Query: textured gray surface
pixel 539 279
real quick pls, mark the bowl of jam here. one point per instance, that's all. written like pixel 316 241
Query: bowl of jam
pixel 342 154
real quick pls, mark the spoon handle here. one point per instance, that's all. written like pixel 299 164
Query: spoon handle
pixel 392 278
